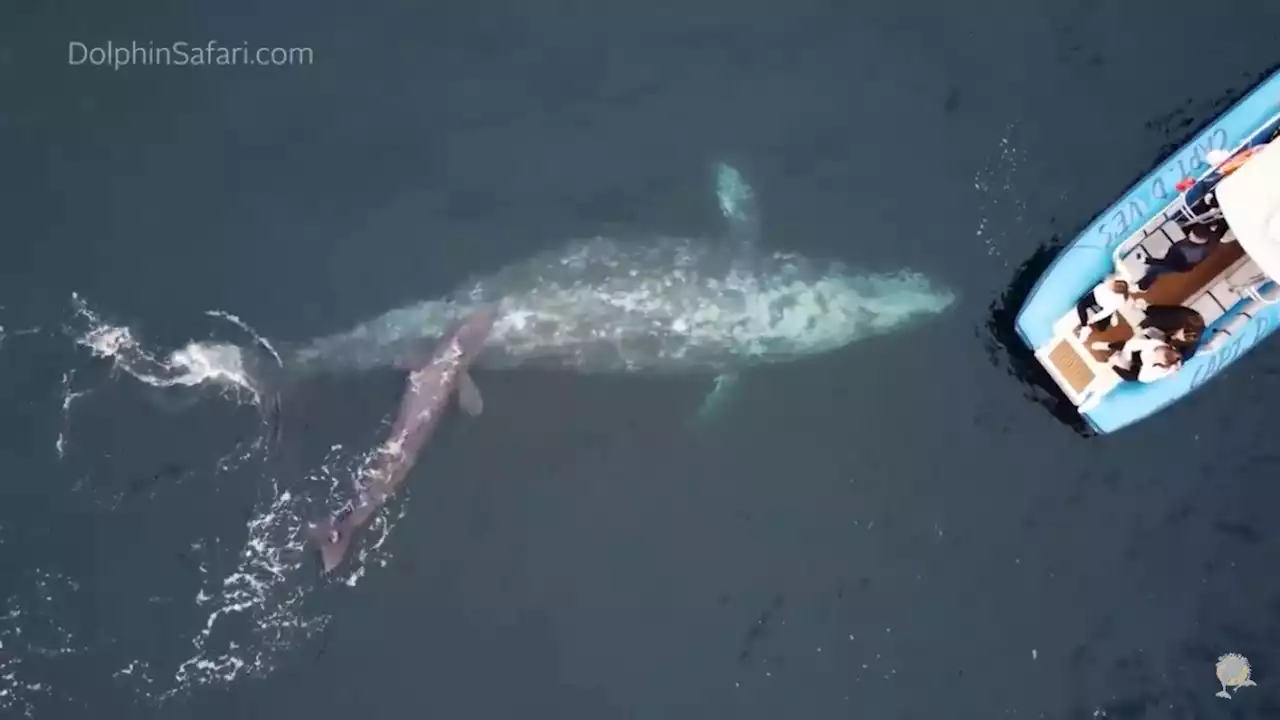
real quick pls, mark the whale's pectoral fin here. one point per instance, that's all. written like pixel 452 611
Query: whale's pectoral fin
pixel 738 205
pixel 718 398
pixel 469 395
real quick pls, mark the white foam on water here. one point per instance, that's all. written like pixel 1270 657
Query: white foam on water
pixel 263 594
pixel 69 396
pixel 215 364
pixel 31 637
pixel 267 590
pixel 255 612
pixel 198 363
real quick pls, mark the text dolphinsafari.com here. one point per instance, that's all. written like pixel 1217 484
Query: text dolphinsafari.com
pixel 183 54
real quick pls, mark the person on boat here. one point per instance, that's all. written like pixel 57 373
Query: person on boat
pixel 1201 240
pixel 1100 307
pixel 1176 326
pixel 1179 326
pixel 1145 360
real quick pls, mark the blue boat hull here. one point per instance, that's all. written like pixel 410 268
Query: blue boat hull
pixel 1087 259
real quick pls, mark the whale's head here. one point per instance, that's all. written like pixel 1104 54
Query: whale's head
pixel 875 303
pixel 818 313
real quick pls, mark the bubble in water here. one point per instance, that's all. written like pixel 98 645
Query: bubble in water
pixel 995 186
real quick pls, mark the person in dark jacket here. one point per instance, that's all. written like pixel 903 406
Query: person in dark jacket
pixel 1201 240
pixel 1178 326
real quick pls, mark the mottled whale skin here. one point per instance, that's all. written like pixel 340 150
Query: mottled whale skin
pixel 658 305
pixel 426 396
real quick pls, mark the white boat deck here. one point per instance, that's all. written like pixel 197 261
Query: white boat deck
pixel 1229 277
pixel 1212 288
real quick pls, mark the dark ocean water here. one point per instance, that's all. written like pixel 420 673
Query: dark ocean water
pixel 896 530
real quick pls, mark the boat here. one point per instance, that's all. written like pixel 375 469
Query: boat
pixel 1229 171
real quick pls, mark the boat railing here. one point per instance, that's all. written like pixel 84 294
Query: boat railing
pixel 1180 203
pixel 1232 327
pixel 1129 243
pixel 1252 287
pixel 1189 213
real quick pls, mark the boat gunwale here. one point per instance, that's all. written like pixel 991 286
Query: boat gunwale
pixel 1122 251
pixel 1193 147
pixel 1154 172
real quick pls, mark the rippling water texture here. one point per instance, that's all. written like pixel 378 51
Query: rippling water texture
pixel 896 530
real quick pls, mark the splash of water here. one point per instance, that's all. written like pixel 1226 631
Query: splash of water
pixel 198 363
pixel 263 590
pixel 254 612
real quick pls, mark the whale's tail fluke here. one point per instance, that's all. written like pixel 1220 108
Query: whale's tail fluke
pixel 332 541
pixel 258 367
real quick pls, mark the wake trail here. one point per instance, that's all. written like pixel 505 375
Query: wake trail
pixel 197 363
pixel 253 579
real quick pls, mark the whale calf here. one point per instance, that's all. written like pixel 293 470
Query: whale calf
pixel 655 304
pixel 425 399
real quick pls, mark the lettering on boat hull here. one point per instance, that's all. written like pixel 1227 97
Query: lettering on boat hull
pixel 1134 210
pixel 1261 326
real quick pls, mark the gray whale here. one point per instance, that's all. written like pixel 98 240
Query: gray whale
pixel 658 306
pixel 655 305
pixel 426 395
